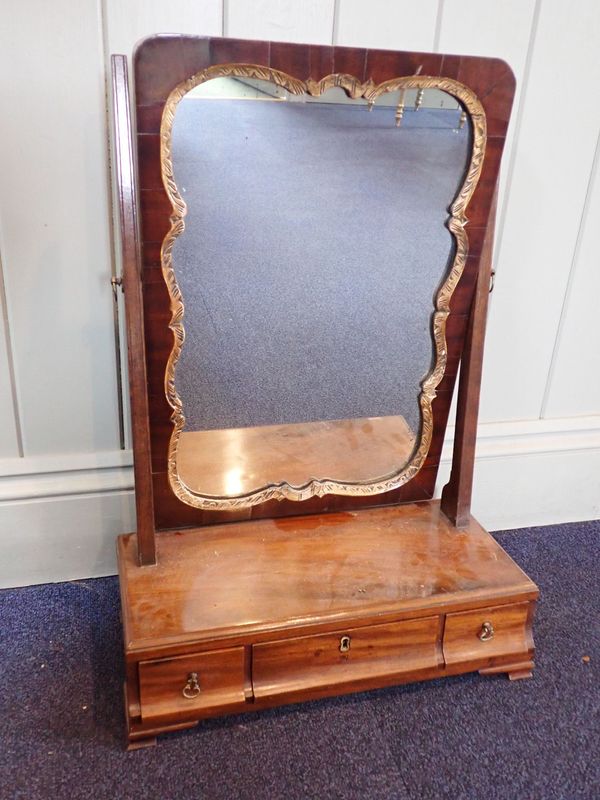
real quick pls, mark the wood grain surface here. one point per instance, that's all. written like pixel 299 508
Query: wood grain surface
pixel 234 581
pixel 511 634
pixel 377 651
pixel 162 62
pixel 125 177
pixel 220 676
pixel 256 601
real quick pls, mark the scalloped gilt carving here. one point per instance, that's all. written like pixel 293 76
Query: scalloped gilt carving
pixel 456 224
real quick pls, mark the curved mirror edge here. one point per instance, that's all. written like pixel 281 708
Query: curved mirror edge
pixel 318 437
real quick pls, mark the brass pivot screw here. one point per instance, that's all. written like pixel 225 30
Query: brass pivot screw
pixel 192 687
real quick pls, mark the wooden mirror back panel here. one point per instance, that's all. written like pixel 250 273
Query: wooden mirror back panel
pixel 166 67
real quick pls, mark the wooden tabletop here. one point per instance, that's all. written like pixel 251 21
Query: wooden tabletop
pixel 262 576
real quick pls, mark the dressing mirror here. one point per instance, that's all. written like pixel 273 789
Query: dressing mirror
pixel 317 241
pixel 307 268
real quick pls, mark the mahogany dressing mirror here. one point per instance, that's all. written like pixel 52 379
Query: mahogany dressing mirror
pixel 306 236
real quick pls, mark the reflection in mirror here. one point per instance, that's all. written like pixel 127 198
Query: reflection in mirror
pixel 315 243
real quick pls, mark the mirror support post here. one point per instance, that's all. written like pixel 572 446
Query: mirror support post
pixel 456 494
pixel 125 177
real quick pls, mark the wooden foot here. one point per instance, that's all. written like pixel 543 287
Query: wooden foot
pixel 137 744
pixel 515 672
pixel 519 674
pixel 139 738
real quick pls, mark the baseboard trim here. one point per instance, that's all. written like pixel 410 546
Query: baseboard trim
pixel 534 472
pixel 68 475
pixel 59 516
pixel 65 475
pixel 532 437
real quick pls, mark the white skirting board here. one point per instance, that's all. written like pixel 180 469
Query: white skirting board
pixel 59 516
pixel 528 473
pixel 62 538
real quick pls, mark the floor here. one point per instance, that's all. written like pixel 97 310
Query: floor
pixel 470 738
pixel 310 258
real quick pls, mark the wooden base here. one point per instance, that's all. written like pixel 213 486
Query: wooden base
pixel 244 616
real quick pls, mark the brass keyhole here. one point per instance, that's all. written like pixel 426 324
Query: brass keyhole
pixel 344 644
pixel 192 686
pixel 487 632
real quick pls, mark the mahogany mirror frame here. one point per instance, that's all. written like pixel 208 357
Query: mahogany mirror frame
pixel 163 62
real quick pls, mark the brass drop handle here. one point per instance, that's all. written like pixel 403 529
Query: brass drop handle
pixel 487 632
pixel 192 686
pixel 344 644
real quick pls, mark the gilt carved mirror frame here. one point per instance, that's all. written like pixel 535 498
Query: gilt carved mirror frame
pixel 166 67
pixel 456 224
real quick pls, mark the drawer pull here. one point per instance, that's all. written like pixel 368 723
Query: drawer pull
pixel 344 644
pixel 192 687
pixel 487 632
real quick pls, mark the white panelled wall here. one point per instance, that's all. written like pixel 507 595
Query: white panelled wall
pixel 65 483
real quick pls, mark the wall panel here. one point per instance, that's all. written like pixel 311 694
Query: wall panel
pixel 280 20
pixel 124 25
pixel 402 25
pixel 553 157
pixel 129 22
pixel 54 225
pixel 496 29
pixel 574 381
pixel 9 441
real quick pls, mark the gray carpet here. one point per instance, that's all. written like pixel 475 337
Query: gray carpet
pixel 465 738
pixel 315 243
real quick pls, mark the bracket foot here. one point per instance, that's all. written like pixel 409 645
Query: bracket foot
pixel 516 671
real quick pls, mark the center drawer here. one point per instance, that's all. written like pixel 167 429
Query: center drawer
pixel 348 656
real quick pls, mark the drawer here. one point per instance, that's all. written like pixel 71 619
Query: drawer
pixel 487 633
pixel 356 655
pixel 189 686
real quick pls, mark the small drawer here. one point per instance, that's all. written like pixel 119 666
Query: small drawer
pixel 356 655
pixel 487 633
pixel 189 686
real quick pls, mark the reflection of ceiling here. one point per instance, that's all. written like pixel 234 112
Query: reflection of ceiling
pixel 237 88
pixel 253 89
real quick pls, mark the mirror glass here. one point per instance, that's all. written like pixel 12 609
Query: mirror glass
pixel 315 244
